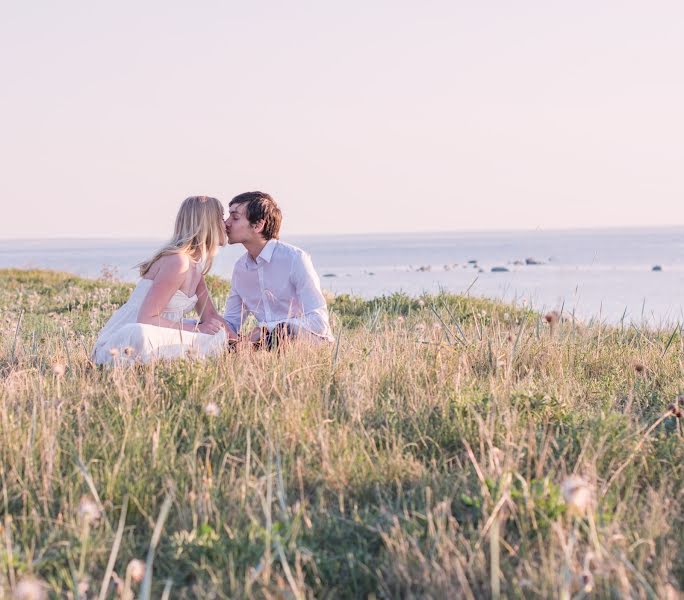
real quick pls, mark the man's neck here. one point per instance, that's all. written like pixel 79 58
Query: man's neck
pixel 254 248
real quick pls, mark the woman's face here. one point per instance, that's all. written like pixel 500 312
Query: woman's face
pixel 223 239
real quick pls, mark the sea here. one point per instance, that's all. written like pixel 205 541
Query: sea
pixel 613 275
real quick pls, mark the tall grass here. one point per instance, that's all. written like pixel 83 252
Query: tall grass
pixel 421 456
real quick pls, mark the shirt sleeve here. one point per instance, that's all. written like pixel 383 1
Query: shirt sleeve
pixel 234 313
pixel 307 285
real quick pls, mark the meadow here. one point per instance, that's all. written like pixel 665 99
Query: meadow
pixel 444 446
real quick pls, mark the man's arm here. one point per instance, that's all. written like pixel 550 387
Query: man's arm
pixel 307 285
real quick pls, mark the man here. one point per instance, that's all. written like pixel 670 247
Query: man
pixel 273 281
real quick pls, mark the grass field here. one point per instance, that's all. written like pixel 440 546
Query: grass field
pixel 434 451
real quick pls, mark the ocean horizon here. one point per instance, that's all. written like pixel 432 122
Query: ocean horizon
pixel 593 273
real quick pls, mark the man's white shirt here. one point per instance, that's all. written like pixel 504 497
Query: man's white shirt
pixel 280 286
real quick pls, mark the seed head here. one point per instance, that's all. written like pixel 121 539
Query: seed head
pixel 88 510
pixel 114 352
pixel 83 587
pixel 400 319
pixel 128 350
pixel 30 588
pixel 577 494
pixel 676 410
pixel 58 369
pixel 136 570
pixel 552 317
pixel 587 581
pixel 211 409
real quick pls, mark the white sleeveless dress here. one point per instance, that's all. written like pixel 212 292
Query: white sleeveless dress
pixel 124 340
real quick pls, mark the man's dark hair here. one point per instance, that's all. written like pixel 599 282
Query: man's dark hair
pixel 261 206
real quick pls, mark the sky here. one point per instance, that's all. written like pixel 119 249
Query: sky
pixel 357 116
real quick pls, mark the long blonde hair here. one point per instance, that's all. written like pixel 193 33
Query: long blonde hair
pixel 198 231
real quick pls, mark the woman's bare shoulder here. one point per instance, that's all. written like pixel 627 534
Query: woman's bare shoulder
pixel 169 265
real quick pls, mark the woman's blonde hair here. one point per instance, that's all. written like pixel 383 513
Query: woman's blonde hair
pixel 198 232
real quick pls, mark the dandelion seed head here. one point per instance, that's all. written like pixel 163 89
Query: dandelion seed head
pixel 577 494
pixel 30 588
pixel 88 510
pixel 211 409
pixel 136 570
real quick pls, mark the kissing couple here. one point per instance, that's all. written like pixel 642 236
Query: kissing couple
pixel 273 281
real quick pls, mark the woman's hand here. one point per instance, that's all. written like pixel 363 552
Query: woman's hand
pixel 211 326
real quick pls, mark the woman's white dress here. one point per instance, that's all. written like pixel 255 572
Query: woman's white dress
pixel 124 340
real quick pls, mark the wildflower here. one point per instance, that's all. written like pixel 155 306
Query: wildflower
pixel 421 303
pixel 30 588
pixel 114 352
pixel 88 510
pixel 136 570
pixel 211 409
pixel 58 369
pixel 577 495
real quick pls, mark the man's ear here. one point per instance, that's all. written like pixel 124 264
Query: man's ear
pixel 259 226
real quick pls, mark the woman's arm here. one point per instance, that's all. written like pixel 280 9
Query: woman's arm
pixel 206 310
pixel 171 275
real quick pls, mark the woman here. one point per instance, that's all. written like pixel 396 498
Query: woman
pixel 151 324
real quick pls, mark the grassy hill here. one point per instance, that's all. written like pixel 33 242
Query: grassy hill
pixel 428 453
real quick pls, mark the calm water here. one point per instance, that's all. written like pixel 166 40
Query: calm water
pixel 594 272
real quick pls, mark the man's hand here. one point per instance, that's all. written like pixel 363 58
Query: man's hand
pixel 257 335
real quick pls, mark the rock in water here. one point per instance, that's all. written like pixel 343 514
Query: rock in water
pixel 657 268
pixel 533 261
pixel 499 270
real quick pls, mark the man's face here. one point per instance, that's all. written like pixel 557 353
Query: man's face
pixel 238 227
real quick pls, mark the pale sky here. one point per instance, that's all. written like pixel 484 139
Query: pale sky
pixel 373 116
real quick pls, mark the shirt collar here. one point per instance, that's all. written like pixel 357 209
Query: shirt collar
pixel 267 251
pixel 265 255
